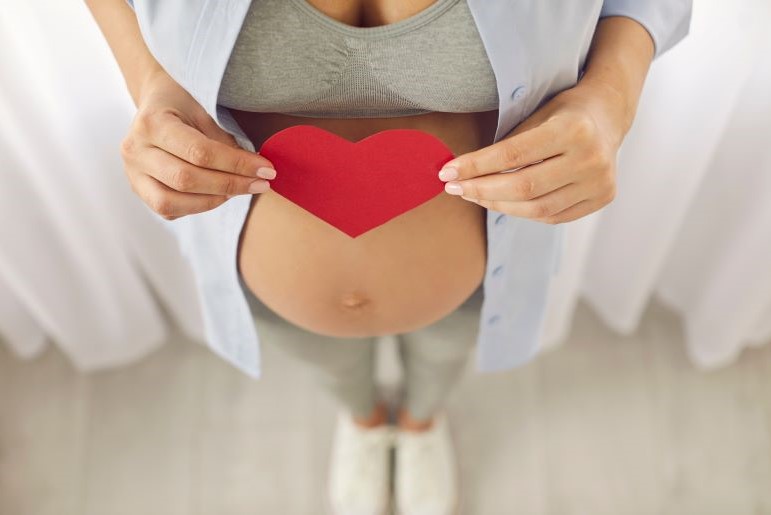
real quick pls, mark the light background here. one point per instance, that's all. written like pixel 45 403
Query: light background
pixel 671 280
pixel 691 223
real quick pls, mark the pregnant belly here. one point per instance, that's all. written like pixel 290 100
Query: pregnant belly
pixel 400 276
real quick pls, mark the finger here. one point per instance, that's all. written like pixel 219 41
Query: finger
pixel 528 147
pixel 185 177
pixel 191 145
pixel 171 203
pixel 524 184
pixel 574 212
pixel 540 208
pixel 210 129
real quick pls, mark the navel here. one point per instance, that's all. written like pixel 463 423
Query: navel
pixel 355 301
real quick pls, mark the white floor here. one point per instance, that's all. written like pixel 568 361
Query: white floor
pixel 605 425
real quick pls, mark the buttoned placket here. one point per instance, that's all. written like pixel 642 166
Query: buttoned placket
pixel 517 94
pixel 497 270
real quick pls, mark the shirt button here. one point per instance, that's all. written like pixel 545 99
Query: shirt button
pixel 493 319
pixel 500 219
pixel 497 270
pixel 518 92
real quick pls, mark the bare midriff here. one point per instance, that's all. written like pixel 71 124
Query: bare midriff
pixel 398 277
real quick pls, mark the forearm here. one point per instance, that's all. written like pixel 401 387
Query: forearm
pixel 617 64
pixel 118 24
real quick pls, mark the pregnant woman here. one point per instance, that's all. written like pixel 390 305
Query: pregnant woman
pixel 533 99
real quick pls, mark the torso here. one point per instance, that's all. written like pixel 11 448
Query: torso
pixel 398 277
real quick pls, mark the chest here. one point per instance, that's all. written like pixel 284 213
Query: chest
pixel 290 57
pixel 535 47
pixel 369 13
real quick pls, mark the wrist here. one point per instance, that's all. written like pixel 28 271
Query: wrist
pixel 611 108
pixel 615 70
pixel 147 83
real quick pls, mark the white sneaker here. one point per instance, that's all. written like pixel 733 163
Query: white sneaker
pixel 426 480
pixel 359 476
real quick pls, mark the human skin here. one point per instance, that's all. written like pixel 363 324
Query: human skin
pixel 180 162
pixel 176 158
pixel 565 152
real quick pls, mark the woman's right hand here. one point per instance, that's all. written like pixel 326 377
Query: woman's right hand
pixel 179 161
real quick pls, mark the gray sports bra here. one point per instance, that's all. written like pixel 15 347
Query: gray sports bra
pixel 292 58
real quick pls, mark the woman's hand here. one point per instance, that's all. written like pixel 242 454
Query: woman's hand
pixel 564 153
pixel 179 161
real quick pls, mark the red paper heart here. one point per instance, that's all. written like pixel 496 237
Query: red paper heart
pixel 356 186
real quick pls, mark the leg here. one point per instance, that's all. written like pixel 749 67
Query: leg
pixel 434 358
pixel 344 367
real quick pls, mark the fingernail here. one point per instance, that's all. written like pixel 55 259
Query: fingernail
pixel 449 173
pixel 266 173
pixel 259 187
pixel 453 188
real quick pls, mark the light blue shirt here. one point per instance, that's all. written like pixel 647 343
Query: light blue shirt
pixel 536 49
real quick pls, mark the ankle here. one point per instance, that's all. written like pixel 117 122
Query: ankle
pixel 405 422
pixel 378 417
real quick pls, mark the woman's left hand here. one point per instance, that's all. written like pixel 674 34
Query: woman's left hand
pixel 564 153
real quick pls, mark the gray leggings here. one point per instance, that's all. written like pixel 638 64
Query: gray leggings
pixel 432 358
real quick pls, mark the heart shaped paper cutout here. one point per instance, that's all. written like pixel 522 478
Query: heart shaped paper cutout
pixel 356 186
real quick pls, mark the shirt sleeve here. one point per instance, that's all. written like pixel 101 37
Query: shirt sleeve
pixel 667 21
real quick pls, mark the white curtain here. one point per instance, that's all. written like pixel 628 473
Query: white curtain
pixel 84 265
pixel 691 223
